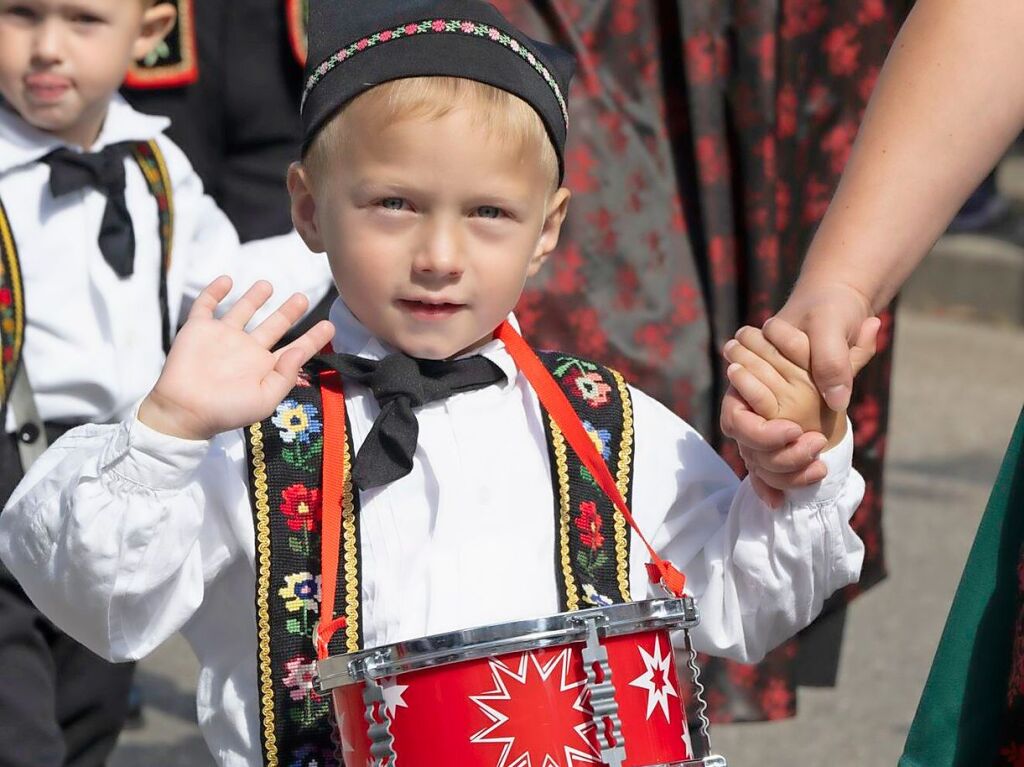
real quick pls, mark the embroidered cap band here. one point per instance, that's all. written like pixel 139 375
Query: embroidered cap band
pixel 357 45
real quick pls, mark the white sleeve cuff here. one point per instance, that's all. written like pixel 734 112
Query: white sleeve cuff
pixel 153 459
pixel 838 461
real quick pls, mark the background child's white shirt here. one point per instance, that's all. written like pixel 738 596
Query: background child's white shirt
pixel 93 341
pixel 124 536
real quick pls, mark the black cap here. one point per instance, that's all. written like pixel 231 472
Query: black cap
pixel 355 45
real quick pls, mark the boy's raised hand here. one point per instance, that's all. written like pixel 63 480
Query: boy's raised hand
pixel 217 376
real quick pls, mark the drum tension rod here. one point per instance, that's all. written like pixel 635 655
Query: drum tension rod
pixel 382 741
pixel 602 696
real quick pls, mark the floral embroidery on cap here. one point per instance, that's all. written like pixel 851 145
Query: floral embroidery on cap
pixel 438 26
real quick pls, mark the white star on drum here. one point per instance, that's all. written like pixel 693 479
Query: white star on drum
pixel 393 693
pixel 658 690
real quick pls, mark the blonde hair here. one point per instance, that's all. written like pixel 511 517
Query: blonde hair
pixel 502 115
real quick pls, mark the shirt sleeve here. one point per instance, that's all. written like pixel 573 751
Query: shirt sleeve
pixel 116 531
pixel 207 246
pixel 759 575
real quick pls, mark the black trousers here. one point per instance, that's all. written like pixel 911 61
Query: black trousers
pixel 61 705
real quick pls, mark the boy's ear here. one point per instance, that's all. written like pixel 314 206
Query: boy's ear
pixel 558 207
pixel 300 188
pixel 157 21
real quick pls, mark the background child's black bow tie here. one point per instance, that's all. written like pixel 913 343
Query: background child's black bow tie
pixel 103 170
pixel 400 383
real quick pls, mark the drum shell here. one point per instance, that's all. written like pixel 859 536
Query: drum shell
pixel 464 713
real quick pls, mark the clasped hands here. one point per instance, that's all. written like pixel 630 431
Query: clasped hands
pixel 823 337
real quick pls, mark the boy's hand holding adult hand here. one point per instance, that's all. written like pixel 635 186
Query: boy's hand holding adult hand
pixel 779 454
pixel 218 376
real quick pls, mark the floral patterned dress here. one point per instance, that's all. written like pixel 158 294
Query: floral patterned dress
pixel 706 140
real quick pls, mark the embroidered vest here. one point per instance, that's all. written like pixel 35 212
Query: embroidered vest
pixel 175 63
pixel 591 556
pixel 12 295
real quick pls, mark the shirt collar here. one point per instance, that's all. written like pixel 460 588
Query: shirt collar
pixel 352 337
pixel 22 144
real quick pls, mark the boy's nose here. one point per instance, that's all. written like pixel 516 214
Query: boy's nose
pixel 440 251
pixel 47 43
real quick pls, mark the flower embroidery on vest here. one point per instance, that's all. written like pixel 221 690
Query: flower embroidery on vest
pixel 298 679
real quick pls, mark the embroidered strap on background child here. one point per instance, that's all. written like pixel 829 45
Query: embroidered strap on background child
pixel 554 401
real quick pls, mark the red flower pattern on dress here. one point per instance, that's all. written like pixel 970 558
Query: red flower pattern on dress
pixel 589 525
pixel 302 506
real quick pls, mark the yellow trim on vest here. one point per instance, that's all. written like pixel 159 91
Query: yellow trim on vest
pixel 622 482
pixel 350 545
pixel 262 503
pixel 572 594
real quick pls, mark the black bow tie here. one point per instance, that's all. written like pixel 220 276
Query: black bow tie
pixel 103 170
pixel 400 383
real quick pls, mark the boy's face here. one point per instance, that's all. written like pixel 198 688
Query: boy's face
pixel 432 227
pixel 62 60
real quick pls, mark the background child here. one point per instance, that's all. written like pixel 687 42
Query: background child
pixel 105 236
pixel 435 198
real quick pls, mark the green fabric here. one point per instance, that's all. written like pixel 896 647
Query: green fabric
pixel 961 711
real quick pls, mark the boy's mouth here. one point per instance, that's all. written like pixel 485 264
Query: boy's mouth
pixel 46 88
pixel 429 309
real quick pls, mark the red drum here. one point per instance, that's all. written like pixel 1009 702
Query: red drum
pixel 597 686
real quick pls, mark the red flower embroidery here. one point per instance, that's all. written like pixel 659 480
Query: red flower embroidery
pixel 302 507
pixel 589 525
pixel 5 296
pixel 593 388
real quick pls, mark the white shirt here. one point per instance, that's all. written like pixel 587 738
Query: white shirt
pixel 124 536
pixel 93 344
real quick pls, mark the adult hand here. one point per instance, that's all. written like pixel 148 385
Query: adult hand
pixel 835 317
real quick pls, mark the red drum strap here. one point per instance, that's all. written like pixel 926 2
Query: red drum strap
pixel 333 489
pixel 554 401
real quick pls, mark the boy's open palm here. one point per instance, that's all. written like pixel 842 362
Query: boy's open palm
pixel 218 376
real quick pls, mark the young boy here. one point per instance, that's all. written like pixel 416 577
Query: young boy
pixel 431 177
pixel 105 238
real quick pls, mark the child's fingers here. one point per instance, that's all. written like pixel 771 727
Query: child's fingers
pixel 209 297
pixel 270 331
pixel 866 345
pixel 760 398
pixel 279 381
pixel 793 457
pixel 792 343
pixel 737 352
pixel 250 303
pixel 816 472
pixel 748 428
pixel 312 341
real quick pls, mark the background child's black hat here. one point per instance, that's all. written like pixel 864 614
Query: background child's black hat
pixel 355 45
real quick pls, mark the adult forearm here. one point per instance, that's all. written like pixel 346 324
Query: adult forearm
pixel 949 100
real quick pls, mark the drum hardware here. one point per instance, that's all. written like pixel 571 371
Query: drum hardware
pixel 382 752
pixel 703 729
pixel 602 696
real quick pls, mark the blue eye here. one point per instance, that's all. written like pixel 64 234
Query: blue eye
pixel 489 211
pixel 393 203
